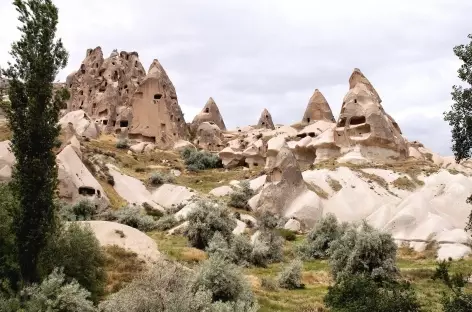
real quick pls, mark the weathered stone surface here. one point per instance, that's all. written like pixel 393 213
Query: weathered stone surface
pixel 231 158
pixel 293 225
pixel 169 195
pixel 265 121
pixel 157 116
pixel 363 122
pixel 102 86
pixel 318 109
pixel 81 123
pixel 208 136
pixel 222 191
pixel 182 145
pixel 210 113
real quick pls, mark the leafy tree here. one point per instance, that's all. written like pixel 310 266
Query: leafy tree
pixel 460 115
pixel 33 114
pixel 456 300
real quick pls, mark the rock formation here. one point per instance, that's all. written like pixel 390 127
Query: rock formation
pixel 208 136
pixel 364 122
pixel 210 113
pixel 102 87
pixel 157 116
pixel 265 121
pixel 317 109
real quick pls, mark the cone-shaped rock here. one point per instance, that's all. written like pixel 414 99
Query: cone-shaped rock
pixel 157 116
pixel 210 113
pixel 265 121
pixel 318 109
pixel 358 77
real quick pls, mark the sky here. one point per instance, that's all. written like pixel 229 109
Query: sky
pixel 254 54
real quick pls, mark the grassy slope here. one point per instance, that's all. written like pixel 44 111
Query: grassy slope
pixel 316 276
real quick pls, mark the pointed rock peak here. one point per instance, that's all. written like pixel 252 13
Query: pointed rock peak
pixel 156 67
pixel 265 121
pixel 358 77
pixel 210 113
pixel 318 109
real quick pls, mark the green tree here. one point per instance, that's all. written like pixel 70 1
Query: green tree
pixel 460 115
pixel 33 115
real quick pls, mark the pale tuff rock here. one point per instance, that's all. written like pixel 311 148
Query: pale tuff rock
pixel 255 154
pixel 7 160
pixel 231 158
pixel 363 122
pixel 210 113
pixel 318 109
pixel 208 136
pixel 170 196
pixel 285 192
pixel 101 86
pixel 221 191
pixel 181 145
pixel 317 143
pixel 157 116
pixel 265 121
pixel 80 123
pixel 293 225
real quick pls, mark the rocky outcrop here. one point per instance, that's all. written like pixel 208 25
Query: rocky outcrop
pixel 79 122
pixel 265 121
pixel 318 109
pixel 285 192
pixel 101 87
pixel 363 122
pixel 210 113
pixel 208 136
pixel 157 116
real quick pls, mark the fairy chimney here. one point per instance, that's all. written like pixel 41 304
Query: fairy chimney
pixel 265 121
pixel 317 109
pixel 156 114
pixel 210 113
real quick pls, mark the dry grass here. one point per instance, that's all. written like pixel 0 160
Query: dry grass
pixel 404 183
pixel 318 190
pixel 192 255
pixel 116 201
pixel 122 267
pixel 334 184
pixel 373 178
pixel 5 132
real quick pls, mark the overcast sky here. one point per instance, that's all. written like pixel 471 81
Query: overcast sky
pixel 255 54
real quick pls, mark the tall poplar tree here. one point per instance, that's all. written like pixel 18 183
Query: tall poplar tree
pixel 33 114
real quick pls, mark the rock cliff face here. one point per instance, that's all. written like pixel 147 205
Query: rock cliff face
pixel 265 121
pixel 157 116
pixel 210 113
pixel 104 87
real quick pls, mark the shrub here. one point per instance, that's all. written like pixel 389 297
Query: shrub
pixel 456 300
pixel 225 282
pixel 364 250
pixel 166 287
pixel 241 195
pixel 288 235
pixel 166 223
pixel 324 232
pixel 291 276
pixel 159 178
pixel 55 293
pixel 218 246
pixel 269 284
pixel 241 250
pixel 151 211
pixel 122 143
pixel 260 254
pixel 82 211
pixel 131 216
pixel 207 219
pixel 361 293
pixel 78 252
pixel 200 160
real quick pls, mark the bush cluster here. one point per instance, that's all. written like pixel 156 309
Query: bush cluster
pixel 122 143
pixel 241 195
pixel 291 276
pixel 131 216
pixel 84 210
pixel 159 178
pixel 200 160
pixel 166 222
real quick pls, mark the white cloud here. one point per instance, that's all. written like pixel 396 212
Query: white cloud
pixel 250 54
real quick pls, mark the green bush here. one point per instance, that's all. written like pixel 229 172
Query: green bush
pixel 122 143
pixel 151 211
pixel 218 246
pixel 291 276
pixel 166 223
pixel 269 284
pixel 9 267
pixel 324 232
pixel 241 250
pixel 166 287
pixel 268 248
pixel 288 235
pixel 361 293
pixel 363 250
pixel 78 252
pixel 456 300
pixel 200 160
pixel 225 281
pixel 159 178
pixel 82 211
pixel 207 219
pixel 131 216
pixel 56 293
pixel 241 195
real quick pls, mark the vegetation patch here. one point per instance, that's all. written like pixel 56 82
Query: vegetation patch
pixel 334 184
pixel 318 190
pixel 404 183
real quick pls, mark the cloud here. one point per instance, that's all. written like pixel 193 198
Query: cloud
pixel 249 55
